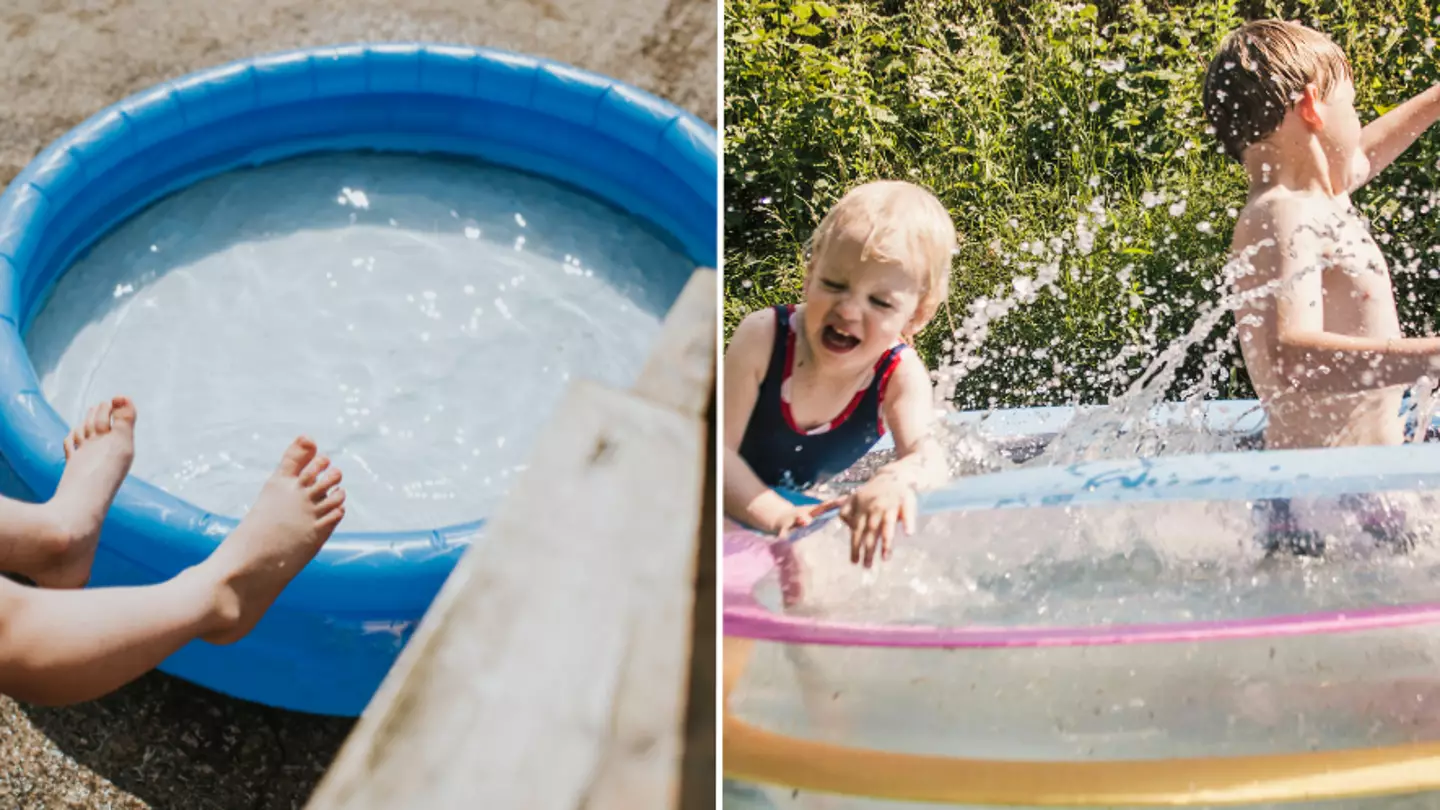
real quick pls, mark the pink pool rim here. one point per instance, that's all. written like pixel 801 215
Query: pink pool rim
pixel 748 559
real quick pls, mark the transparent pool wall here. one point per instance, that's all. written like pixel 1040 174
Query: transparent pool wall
pixel 1083 556
pixel 1137 701
pixel 739 795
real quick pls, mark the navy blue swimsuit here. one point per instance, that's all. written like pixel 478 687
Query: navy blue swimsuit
pixel 784 456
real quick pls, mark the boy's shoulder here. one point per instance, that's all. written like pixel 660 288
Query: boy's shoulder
pixel 1283 215
pixel 1271 203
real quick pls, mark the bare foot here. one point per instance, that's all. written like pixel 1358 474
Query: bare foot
pixel 98 453
pixel 295 514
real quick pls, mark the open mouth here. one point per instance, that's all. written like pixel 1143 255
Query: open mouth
pixel 836 340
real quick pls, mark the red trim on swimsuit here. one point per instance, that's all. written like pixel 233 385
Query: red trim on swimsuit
pixel 885 381
pixel 892 356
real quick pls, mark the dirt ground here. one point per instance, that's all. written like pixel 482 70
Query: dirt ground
pixel 161 742
pixel 62 60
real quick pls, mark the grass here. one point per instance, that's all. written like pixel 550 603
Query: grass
pixel 1068 142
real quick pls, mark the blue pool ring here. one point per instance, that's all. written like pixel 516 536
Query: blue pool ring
pixel 329 640
pixel 1242 475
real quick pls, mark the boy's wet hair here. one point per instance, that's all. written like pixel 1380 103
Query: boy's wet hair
pixel 901 222
pixel 1259 72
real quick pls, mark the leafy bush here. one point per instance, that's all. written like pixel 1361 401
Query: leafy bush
pixel 1068 142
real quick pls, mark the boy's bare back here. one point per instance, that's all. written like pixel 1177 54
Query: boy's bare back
pixel 1325 275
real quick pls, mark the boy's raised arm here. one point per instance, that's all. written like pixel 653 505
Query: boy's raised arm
pixel 1385 138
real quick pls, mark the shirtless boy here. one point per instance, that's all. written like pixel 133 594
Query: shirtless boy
pixel 61 645
pixel 1320 336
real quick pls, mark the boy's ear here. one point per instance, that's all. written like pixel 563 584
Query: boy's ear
pixel 1309 107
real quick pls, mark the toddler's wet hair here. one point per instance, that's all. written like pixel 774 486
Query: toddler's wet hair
pixel 894 221
pixel 1259 72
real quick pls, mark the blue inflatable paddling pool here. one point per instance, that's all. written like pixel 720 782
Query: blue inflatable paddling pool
pixel 327 643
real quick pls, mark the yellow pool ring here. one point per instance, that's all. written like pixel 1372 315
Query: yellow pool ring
pixel 755 755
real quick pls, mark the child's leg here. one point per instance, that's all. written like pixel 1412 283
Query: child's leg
pixel 54 543
pixel 59 647
pixel 1382 519
pixel 1282 532
pixel 33 540
pixel 64 647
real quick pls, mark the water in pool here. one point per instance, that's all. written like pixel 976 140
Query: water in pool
pixel 418 316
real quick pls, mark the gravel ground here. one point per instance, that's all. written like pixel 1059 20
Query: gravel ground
pixel 161 742
pixel 62 60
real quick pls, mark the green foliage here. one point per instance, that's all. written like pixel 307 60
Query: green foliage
pixel 1036 122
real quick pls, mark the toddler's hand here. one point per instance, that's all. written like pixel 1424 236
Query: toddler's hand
pixel 801 516
pixel 871 514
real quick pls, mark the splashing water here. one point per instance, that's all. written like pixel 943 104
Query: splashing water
pixel 1170 562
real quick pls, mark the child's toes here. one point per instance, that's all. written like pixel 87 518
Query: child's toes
pixel 101 424
pixel 331 518
pixel 297 455
pixel 332 502
pixel 123 412
pixel 312 470
pixel 323 485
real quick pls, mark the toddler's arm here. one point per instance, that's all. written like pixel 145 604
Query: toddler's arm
pixel 890 495
pixel 910 417
pixel 1311 357
pixel 1385 138
pixel 747 498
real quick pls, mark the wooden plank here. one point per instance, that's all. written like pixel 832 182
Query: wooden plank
pixel 654 741
pixel 700 768
pixel 680 371
pixel 694 323
pixel 504 696
pixel 551 671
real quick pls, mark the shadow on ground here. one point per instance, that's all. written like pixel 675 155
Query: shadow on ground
pixel 167 744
